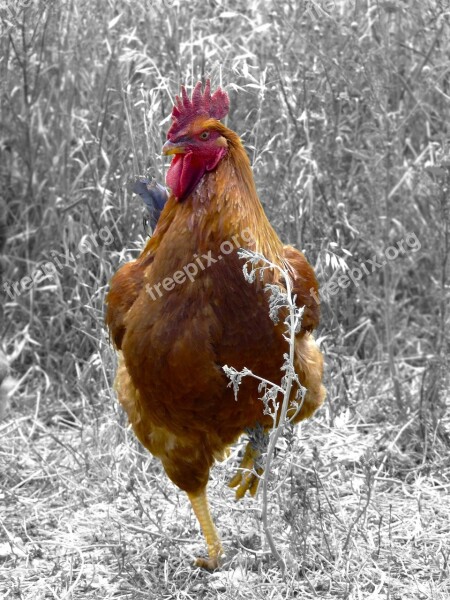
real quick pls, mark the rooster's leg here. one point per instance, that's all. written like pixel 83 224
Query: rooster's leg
pixel 247 478
pixel 200 505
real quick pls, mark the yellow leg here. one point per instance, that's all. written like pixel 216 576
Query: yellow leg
pixel 247 478
pixel 200 505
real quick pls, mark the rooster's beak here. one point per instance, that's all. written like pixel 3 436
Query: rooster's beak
pixel 171 148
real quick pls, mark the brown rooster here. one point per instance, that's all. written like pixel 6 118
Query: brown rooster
pixel 183 310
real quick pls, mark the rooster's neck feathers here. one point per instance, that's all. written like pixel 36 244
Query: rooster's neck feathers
pixel 224 204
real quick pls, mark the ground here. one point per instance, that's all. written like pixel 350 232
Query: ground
pixel 358 512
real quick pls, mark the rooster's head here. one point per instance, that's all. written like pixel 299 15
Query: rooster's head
pixel 194 138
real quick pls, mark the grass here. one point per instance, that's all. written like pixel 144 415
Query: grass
pixel 88 514
pixel 345 116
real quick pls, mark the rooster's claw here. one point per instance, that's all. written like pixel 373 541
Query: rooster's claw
pixel 247 478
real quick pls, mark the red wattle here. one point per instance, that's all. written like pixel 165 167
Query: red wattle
pixel 183 175
pixel 173 176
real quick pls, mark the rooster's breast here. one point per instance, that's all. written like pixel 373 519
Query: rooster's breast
pixel 177 342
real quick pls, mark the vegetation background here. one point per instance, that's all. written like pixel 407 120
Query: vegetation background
pixel 344 108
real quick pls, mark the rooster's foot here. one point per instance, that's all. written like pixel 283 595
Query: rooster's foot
pixel 247 478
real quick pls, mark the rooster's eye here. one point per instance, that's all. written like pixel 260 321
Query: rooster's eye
pixel 204 135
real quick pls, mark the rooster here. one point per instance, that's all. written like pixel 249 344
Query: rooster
pixel 183 309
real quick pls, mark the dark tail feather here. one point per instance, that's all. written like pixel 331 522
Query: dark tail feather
pixel 154 196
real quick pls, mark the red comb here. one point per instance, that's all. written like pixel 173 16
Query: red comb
pixel 201 104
